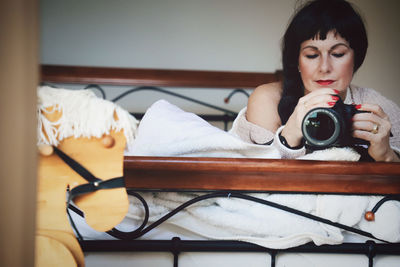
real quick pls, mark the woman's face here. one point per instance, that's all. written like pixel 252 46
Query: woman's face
pixel 326 63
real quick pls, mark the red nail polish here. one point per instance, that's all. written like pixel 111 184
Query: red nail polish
pixel 335 98
pixel 336 91
pixel 358 106
pixel 331 103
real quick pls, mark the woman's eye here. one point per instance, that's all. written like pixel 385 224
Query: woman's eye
pixel 338 54
pixel 312 56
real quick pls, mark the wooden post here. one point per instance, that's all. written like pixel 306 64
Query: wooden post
pixel 18 82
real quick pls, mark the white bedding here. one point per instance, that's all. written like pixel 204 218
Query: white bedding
pixel 166 130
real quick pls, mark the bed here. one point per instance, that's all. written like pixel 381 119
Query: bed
pixel 206 178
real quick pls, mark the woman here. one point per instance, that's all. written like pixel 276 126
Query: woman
pixel 323 47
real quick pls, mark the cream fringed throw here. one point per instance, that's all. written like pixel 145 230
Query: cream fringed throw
pixel 83 115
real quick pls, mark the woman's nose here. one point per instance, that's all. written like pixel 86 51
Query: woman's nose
pixel 325 65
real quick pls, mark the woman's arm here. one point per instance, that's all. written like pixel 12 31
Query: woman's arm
pixel 262 110
pixel 262 107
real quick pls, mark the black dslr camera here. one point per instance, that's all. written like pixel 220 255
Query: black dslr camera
pixel 330 127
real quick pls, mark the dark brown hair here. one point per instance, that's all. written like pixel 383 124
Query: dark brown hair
pixel 314 20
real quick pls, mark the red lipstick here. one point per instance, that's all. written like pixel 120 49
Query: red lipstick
pixel 325 82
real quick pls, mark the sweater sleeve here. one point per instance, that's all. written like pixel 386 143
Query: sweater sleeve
pixel 285 152
pixel 252 133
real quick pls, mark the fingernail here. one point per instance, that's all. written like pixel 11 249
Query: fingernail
pixel 335 98
pixel 331 103
pixel 358 106
pixel 336 91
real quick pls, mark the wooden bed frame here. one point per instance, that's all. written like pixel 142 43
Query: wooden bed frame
pixel 229 174
pixel 178 173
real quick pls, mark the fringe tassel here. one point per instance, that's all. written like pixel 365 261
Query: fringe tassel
pixel 83 115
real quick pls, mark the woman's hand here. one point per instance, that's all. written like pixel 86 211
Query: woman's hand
pixel 325 97
pixel 374 126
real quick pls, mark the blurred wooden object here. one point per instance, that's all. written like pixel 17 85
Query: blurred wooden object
pixel 103 209
pixel 51 252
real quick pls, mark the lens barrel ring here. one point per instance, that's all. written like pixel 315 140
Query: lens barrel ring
pixel 330 114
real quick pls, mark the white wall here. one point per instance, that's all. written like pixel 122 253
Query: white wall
pixel 239 35
pixel 381 69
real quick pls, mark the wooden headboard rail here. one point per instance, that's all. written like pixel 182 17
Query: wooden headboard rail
pixel 156 77
pixel 184 173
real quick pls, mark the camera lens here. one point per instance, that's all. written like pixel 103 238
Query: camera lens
pixel 321 127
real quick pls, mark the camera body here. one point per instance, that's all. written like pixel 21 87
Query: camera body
pixel 330 127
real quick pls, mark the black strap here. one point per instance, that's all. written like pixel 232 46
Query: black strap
pixel 286 144
pixel 93 184
pixel 78 168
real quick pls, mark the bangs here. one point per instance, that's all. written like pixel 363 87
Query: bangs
pixel 319 18
pixel 321 35
pixel 317 29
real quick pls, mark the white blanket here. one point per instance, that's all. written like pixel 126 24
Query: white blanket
pixel 166 130
pixel 236 219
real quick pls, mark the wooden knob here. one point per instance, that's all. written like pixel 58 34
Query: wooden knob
pixel 108 141
pixel 45 150
pixel 369 216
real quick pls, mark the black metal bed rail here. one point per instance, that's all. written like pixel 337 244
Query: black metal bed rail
pixel 144 228
pixel 225 118
pixel 129 242
pixel 177 246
